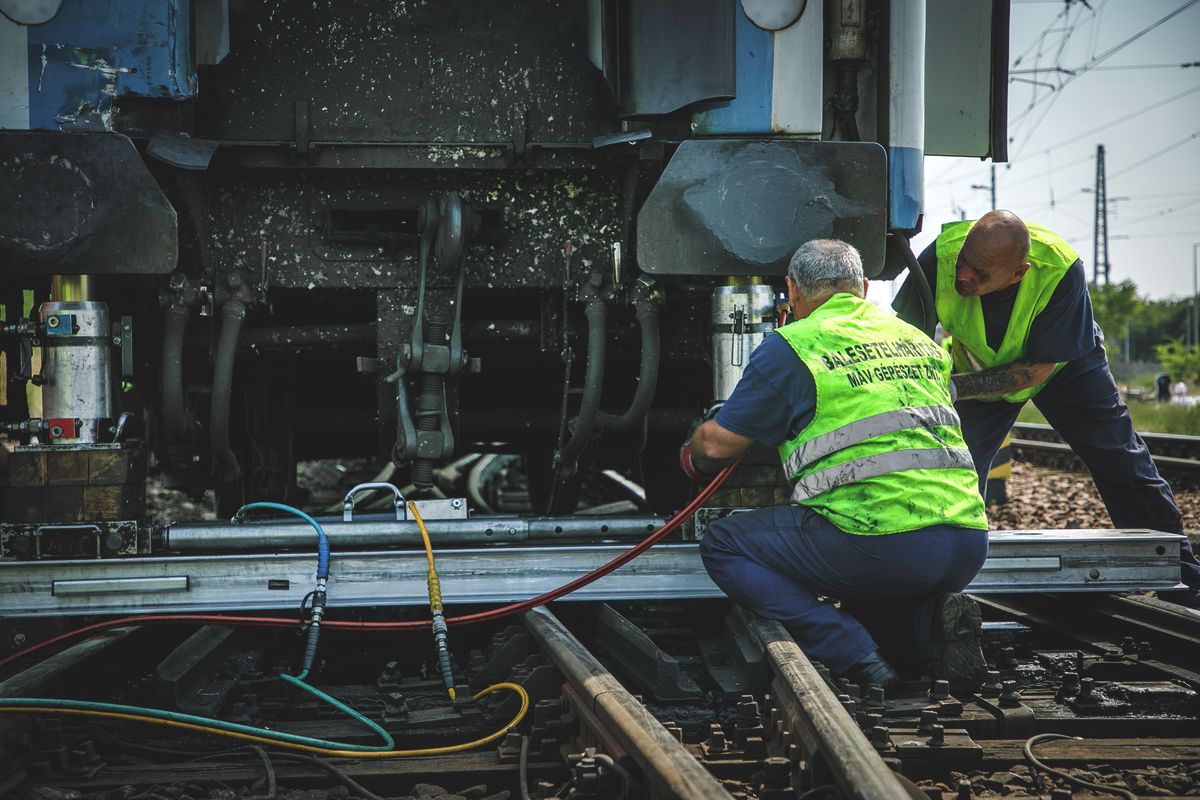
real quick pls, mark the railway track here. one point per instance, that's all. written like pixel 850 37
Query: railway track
pixel 1176 456
pixel 669 699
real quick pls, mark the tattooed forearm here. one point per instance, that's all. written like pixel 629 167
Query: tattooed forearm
pixel 1000 380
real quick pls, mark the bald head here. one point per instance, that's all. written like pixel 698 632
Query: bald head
pixel 994 256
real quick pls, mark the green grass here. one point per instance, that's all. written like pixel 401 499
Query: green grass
pixel 1149 417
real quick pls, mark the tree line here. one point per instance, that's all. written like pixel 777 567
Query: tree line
pixel 1153 330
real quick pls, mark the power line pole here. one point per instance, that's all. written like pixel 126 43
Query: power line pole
pixel 991 187
pixel 1100 244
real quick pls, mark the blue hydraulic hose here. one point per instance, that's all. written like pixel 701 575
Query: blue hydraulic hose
pixel 318 595
pixel 322 538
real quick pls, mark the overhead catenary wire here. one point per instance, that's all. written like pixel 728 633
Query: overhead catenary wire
pixel 1055 96
pixel 1074 139
pixel 1155 154
pixel 1076 237
pixel 946 176
pixel 1112 68
pixel 1166 212
pixel 1096 60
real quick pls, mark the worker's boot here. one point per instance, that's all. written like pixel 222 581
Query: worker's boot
pixel 957 656
pixel 872 669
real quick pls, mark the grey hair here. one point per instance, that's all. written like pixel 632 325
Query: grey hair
pixel 826 266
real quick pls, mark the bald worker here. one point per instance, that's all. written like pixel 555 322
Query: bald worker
pixel 1014 297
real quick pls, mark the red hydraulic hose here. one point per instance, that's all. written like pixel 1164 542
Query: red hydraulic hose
pixel 464 619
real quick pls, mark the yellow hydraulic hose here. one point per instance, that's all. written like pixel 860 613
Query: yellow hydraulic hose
pixel 435 588
pixel 441 631
pixel 427 751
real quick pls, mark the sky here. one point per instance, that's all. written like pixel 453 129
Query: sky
pixel 1150 119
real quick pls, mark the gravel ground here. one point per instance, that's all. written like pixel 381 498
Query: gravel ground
pixel 166 505
pixel 1051 498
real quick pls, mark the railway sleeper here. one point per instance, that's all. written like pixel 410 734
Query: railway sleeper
pixel 764 722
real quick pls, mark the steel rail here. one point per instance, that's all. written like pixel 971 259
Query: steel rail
pixel 823 728
pixel 670 771
pixel 1165 449
pixel 1100 625
pixel 34 678
pixel 1164 463
pixel 1153 440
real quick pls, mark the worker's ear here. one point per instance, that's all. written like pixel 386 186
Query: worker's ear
pixel 865 284
pixel 1019 273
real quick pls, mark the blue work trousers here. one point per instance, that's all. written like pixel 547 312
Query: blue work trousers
pixel 778 561
pixel 1087 411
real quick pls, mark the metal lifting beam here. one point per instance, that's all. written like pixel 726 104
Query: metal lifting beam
pixel 272 534
pixel 1019 561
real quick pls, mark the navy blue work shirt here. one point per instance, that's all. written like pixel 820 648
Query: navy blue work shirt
pixel 1063 332
pixel 776 397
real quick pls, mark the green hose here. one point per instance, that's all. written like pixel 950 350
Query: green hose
pixel 175 716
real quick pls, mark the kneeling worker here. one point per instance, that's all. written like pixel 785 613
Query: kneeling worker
pixel 886 511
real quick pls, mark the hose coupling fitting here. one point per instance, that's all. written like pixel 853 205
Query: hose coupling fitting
pixel 441 640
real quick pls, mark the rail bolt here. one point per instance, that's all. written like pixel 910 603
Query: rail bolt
pixel 747 708
pixel 880 737
pixel 1008 658
pixel 716 742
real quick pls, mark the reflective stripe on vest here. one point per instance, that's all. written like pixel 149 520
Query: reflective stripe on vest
pixel 868 428
pixel 880 464
pixel 883 452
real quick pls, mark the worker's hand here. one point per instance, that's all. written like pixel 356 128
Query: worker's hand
pixel 686 462
pixel 710 449
pixel 689 466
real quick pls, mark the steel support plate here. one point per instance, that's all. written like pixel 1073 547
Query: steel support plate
pixel 84 203
pixel 1019 561
pixel 743 206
